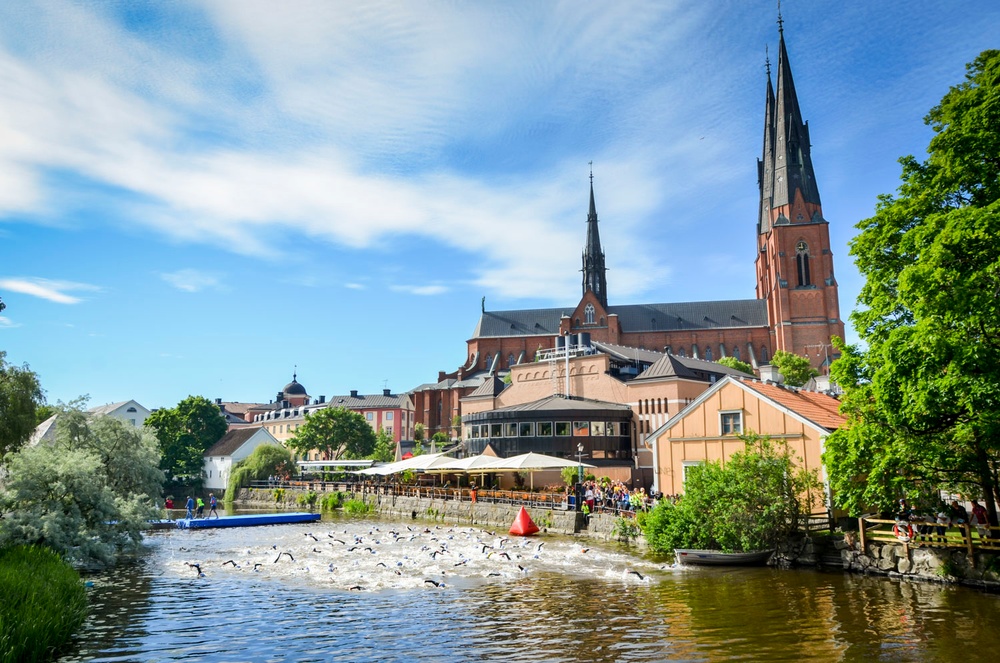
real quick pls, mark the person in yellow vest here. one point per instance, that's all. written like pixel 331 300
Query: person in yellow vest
pixel 201 508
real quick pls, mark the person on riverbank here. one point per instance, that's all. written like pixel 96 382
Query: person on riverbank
pixel 212 503
pixel 957 513
pixel 189 505
pixel 201 508
pixel 980 519
pixel 168 505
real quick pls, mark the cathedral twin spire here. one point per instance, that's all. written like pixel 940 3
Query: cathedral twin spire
pixel 785 170
pixel 594 270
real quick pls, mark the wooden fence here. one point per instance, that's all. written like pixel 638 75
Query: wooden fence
pixel 928 534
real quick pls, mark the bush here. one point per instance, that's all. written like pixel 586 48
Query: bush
pixel 265 461
pixel 358 507
pixel 308 499
pixel 748 504
pixel 43 604
pixel 332 501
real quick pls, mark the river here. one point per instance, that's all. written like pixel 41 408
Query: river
pixel 372 590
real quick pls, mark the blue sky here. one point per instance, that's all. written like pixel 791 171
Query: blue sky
pixel 197 196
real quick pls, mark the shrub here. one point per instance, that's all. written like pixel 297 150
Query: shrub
pixel 43 604
pixel 307 499
pixel 332 501
pixel 358 507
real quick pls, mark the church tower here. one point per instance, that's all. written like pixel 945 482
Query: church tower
pixel 594 271
pixel 794 261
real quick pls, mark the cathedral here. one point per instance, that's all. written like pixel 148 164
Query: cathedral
pixel 796 308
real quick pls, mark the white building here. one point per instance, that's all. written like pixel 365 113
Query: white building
pixel 234 446
pixel 128 411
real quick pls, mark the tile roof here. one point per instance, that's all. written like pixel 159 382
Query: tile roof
pixel 687 367
pixel 231 441
pixel 105 409
pixel 821 409
pixel 628 353
pixel 631 317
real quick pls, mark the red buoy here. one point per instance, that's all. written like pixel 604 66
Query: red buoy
pixel 523 524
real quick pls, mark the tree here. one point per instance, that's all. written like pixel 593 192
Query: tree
pixel 385 447
pixel 418 432
pixel 88 495
pixel 733 362
pixel 749 503
pixel 264 461
pixel 796 369
pixel 337 433
pixel 439 441
pixel 185 433
pixel 20 396
pixel 923 397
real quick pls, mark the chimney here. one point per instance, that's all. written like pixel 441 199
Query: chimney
pixel 218 401
pixel 387 392
pixel 322 399
pixel 354 393
pixel 769 373
pixel 441 375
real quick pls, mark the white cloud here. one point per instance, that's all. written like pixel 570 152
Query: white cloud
pixel 354 286
pixel 422 290
pixel 193 280
pixel 53 291
pixel 7 323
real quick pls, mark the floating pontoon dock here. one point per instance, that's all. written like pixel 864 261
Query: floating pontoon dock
pixel 251 520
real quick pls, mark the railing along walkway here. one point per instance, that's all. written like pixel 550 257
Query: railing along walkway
pixel 926 534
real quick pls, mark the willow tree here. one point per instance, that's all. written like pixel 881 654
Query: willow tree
pixel 923 397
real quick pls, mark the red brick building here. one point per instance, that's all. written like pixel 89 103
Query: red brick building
pixel 796 308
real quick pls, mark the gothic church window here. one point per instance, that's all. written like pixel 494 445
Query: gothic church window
pixel 736 352
pixel 708 353
pixel 802 263
pixel 510 359
pixel 588 314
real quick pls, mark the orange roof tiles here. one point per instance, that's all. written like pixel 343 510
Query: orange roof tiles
pixel 818 408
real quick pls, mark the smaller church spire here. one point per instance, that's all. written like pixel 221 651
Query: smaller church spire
pixel 781 22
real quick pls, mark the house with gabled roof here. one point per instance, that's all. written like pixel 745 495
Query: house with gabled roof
pixel 129 411
pixel 234 446
pixel 708 429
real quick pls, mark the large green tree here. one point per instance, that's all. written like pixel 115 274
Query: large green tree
pixel 20 396
pixel 923 397
pixel 88 494
pixel 733 362
pixel 796 369
pixel 336 433
pixel 185 432
pixel 385 447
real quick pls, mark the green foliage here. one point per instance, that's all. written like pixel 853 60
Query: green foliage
pixel 332 501
pixel 337 433
pixel 385 447
pixel 748 504
pixel 88 494
pixel 418 432
pixel 570 475
pixel 43 412
pixel 307 499
pixel 357 507
pixel 922 396
pixel 20 397
pixel 43 604
pixel 734 363
pixel 439 440
pixel 185 433
pixel 279 495
pixel 264 461
pixel 626 530
pixel 794 368
pixel 507 379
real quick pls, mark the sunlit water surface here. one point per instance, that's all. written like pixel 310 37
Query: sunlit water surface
pixel 371 590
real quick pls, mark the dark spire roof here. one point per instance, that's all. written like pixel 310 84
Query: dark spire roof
pixel 594 271
pixel 786 151
pixel 293 388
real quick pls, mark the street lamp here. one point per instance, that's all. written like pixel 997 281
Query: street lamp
pixel 579 460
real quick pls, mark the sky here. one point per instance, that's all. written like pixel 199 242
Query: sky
pixel 203 197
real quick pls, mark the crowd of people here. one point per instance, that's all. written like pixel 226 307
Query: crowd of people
pixel 615 496
pixel 933 524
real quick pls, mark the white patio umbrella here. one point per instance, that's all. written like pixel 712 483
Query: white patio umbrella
pixel 470 465
pixel 532 462
pixel 417 464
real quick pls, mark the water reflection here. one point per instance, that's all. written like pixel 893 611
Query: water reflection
pixel 501 601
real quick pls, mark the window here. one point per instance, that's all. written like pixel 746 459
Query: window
pixel 736 352
pixel 526 429
pixel 588 314
pixel 763 354
pixel 581 428
pixel 131 409
pixel 544 428
pixel 731 423
pixel 496 430
pixel 708 353
pixel 368 416
pixel 388 416
pixel 474 432
pixel 510 359
pixel 562 428
pixel 802 264
pixel 686 466
pixel 510 430
pixel 597 428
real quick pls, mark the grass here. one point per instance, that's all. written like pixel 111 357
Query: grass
pixel 44 603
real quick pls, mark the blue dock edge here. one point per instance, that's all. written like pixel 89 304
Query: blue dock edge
pixel 251 520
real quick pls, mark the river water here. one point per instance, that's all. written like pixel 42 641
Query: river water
pixel 373 590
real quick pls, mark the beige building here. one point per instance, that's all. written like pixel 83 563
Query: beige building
pixel 708 428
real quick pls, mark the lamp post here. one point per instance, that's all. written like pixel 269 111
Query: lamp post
pixel 579 460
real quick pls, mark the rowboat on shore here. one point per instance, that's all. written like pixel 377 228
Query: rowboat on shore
pixel 719 558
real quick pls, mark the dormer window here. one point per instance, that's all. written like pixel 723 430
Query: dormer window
pixel 588 314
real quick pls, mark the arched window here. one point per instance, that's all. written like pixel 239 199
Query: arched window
pixel 489 360
pixel 681 352
pixel 708 353
pixel 763 354
pixel 802 263
pixel 736 352
pixel 588 314
pixel 510 359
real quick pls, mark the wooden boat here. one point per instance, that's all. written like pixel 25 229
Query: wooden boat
pixel 251 520
pixel 719 558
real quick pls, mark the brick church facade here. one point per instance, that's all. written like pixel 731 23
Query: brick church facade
pixel 796 306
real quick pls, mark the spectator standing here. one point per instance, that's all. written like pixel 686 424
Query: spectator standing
pixel 201 508
pixel 189 505
pixel 980 519
pixel 212 503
